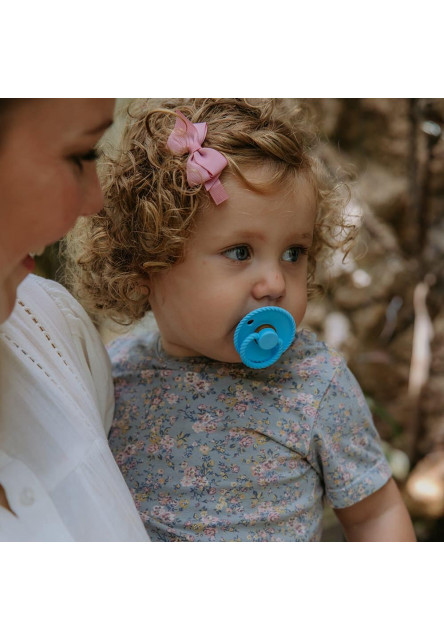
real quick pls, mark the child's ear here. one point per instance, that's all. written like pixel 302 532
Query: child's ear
pixel 146 286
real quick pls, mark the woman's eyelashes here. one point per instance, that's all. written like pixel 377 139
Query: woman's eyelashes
pixel 90 156
pixel 243 252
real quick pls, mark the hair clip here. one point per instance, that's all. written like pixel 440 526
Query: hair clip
pixel 204 164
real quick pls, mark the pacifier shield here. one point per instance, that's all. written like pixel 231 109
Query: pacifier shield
pixel 262 336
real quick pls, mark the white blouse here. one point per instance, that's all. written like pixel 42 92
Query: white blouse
pixel 56 407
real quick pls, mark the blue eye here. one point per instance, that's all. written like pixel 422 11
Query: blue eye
pixel 240 253
pixel 292 254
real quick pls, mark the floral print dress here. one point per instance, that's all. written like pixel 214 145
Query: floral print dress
pixel 215 451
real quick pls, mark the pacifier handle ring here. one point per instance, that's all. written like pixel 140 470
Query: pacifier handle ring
pixel 246 342
pixel 255 336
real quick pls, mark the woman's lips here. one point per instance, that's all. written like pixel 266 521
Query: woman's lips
pixel 29 263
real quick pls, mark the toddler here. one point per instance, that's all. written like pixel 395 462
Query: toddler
pixel 216 208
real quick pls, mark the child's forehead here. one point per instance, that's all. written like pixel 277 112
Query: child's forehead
pixel 286 196
pixel 291 204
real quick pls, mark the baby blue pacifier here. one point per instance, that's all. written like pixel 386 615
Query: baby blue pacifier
pixel 262 336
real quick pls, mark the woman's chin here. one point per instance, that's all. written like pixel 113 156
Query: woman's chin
pixel 8 289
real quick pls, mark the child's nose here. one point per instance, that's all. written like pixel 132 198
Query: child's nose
pixel 269 284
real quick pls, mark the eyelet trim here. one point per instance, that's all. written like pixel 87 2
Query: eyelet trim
pixel 54 346
pixel 27 355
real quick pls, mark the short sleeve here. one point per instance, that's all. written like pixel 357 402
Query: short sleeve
pixel 345 448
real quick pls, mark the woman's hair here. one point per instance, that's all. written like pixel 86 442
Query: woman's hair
pixel 150 209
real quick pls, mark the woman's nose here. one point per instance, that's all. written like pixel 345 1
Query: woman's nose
pixel 269 284
pixel 93 200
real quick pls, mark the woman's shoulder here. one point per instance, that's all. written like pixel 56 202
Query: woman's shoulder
pixel 48 297
pixel 45 307
pixel 50 327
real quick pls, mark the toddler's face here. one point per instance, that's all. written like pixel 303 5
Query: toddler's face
pixel 247 253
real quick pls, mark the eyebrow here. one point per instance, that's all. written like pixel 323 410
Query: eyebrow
pixel 258 234
pixel 99 128
pixel 306 236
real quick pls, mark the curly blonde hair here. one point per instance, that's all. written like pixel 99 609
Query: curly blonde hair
pixel 150 209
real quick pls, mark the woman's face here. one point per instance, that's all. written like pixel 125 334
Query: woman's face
pixel 47 179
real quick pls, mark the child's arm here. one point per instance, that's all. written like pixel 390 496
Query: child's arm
pixel 382 517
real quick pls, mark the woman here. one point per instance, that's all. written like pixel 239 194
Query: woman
pixel 58 479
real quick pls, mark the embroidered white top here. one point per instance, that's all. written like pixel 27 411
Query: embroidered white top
pixel 56 406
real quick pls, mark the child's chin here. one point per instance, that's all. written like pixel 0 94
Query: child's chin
pixel 227 358
pixel 235 359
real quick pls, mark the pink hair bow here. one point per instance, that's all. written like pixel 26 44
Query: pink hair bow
pixel 204 164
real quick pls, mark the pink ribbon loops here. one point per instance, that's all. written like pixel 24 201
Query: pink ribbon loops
pixel 204 164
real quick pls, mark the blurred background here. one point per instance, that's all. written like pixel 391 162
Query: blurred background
pixel 383 308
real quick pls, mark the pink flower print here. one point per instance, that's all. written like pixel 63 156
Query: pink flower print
pixel 246 442
pixel 263 471
pixel 208 519
pixel 287 403
pixel 204 424
pixel 168 500
pixel 195 381
pixel 192 478
pixel 241 408
pixel 200 482
pixel 187 481
pixel 246 396
pixel 204 449
pixel 161 513
pixel 147 376
pixel 121 459
pixel 171 398
pixel 292 441
pixel 309 411
pixel 267 509
pixel 306 398
pixel 144 515
pixel 130 449
pixel 153 447
pixel 167 442
pixel 236 431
